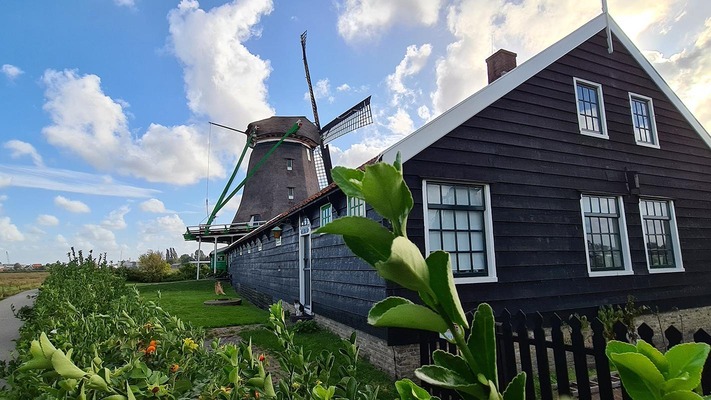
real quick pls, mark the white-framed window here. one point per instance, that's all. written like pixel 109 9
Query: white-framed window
pixel 289 164
pixel 459 221
pixel 290 193
pixel 606 241
pixel 277 241
pixel 591 108
pixel 259 245
pixel 661 236
pixel 643 122
pixel 356 207
pixel 326 214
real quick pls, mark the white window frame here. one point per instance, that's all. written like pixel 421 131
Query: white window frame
pixel 488 232
pixel 679 263
pixel 601 104
pixel 259 245
pixel 289 164
pixel 652 120
pixel 624 238
pixel 354 203
pixel 290 193
pixel 326 209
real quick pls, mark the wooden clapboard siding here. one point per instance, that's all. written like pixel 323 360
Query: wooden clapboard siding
pixel 527 147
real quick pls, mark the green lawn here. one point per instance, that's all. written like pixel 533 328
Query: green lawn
pixel 185 300
pixel 325 340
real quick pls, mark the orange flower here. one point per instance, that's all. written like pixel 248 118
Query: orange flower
pixel 174 368
pixel 150 349
pixel 261 357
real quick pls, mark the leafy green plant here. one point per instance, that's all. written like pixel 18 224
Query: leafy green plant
pixel 472 371
pixel 647 374
pixel 609 315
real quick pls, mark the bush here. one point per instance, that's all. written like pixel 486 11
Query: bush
pixel 153 266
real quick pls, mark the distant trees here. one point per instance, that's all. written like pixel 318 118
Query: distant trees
pixel 153 266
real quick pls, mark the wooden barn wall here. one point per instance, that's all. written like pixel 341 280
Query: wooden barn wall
pixel 528 148
pixel 344 288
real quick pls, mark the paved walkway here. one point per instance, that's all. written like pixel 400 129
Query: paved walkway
pixel 9 325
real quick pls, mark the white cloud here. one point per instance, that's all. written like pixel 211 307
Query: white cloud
pixel 115 220
pixel 96 238
pixel 344 88
pixel 361 20
pixel 400 123
pixel 20 148
pixel 153 206
pixel 11 72
pixel 163 232
pixel 68 181
pixel 94 126
pixel 222 78
pixel 47 220
pixel 413 62
pixel 355 155
pixel 125 3
pixel 322 90
pixel 9 232
pixel 424 113
pixel 74 206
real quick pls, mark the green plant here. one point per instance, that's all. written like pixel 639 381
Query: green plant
pixel 153 266
pixel 472 371
pixel 609 315
pixel 647 374
pixel 308 326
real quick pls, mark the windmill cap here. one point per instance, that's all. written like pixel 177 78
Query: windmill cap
pixel 276 127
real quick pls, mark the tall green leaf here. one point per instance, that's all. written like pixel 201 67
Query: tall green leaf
pixel 482 342
pixel 654 355
pixel 454 363
pixel 366 238
pixel 442 283
pixel 385 190
pixel 682 395
pixel 687 358
pixel 349 180
pixel 409 390
pixel 640 377
pixel 516 389
pixel 448 379
pixel 398 312
pixel 406 266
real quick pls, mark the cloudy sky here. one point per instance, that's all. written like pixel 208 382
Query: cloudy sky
pixel 104 105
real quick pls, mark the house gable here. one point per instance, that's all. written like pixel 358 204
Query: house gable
pixel 455 116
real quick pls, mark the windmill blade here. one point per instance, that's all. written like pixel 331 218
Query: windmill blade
pixel 321 173
pixel 356 117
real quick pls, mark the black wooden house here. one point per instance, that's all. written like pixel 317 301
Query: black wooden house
pixel 573 180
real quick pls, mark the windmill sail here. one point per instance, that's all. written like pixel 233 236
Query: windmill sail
pixel 320 168
pixel 356 117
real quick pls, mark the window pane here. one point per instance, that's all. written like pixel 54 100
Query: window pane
pixel 435 241
pixel 433 196
pixel 447 194
pixel 462 241
pixel 477 240
pixel 462 196
pixel 476 195
pixel 447 219
pixel 479 261
pixel 434 219
pixel 476 220
pixel 462 219
pixel 464 261
pixel 448 241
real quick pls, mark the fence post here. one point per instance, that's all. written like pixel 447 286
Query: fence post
pixel 524 351
pixel 544 373
pixel 674 336
pixel 646 333
pixel 602 364
pixel 561 363
pixel 580 358
pixel 702 337
pixel 507 347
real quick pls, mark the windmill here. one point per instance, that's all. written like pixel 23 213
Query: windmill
pixel 354 118
pixel 290 161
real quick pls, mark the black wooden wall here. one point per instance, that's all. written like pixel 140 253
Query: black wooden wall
pixel 528 148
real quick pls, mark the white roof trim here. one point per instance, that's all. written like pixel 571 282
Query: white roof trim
pixel 446 122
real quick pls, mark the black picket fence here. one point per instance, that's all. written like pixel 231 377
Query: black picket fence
pixel 563 357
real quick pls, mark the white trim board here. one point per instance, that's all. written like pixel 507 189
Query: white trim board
pixel 446 122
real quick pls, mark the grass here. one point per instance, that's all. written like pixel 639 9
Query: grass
pixel 185 300
pixel 323 340
pixel 12 283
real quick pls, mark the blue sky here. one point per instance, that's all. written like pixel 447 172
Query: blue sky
pixel 104 104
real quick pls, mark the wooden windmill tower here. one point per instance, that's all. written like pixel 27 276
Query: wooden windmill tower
pixel 289 162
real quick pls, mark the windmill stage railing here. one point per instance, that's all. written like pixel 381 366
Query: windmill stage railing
pixel 562 356
pixel 205 230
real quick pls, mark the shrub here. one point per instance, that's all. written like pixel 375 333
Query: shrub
pixel 153 266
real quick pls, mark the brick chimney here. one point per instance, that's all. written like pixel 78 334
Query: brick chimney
pixel 500 63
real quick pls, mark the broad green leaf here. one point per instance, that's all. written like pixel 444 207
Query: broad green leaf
pixel 689 358
pixel 48 348
pixel 398 312
pixel 640 377
pixel 97 382
pixel 65 367
pixel 654 355
pixel 366 238
pixel 615 346
pixel 349 180
pixel 406 266
pixel 454 363
pixel 36 349
pixel 409 390
pixel 482 342
pixel 442 284
pixel 516 389
pixel 682 395
pixel 448 379
pixel 682 382
pixel 386 191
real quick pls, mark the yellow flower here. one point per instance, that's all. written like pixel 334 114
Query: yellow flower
pixel 190 344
